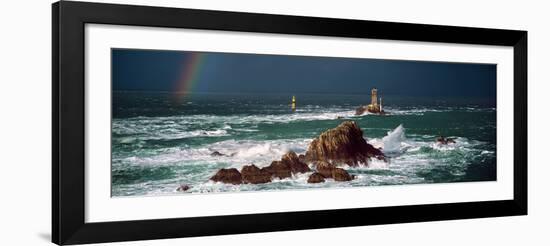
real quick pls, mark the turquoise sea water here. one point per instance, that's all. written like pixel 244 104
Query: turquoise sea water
pixel 161 141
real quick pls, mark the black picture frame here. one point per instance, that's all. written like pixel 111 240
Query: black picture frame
pixel 68 107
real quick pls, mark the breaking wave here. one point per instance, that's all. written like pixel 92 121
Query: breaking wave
pixel 392 142
pixel 237 152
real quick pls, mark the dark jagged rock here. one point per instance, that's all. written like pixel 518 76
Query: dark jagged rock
pixel 325 168
pixel 216 153
pixel 251 174
pixel 329 170
pixel 445 141
pixel 228 176
pixel 278 169
pixel 316 178
pixel 361 110
pixel 339 174
pixel 183 188
pixel 289 164
pixel 293 161
pixel 343 144
pixel 302 158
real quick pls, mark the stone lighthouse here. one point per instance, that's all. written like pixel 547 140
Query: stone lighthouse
pixel 374 97
pixel 374 107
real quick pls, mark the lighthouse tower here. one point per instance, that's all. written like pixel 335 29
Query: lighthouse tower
pixel 374 97
pixel 374 107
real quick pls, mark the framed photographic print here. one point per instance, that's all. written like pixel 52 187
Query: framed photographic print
pixel 176 122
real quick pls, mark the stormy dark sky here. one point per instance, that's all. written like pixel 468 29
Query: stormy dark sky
pixel 152 70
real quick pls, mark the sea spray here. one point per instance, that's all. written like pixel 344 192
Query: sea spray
pixel 266 149
pixel 378 164
pixel 392 141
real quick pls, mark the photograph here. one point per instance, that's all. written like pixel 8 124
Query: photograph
pixel 196 122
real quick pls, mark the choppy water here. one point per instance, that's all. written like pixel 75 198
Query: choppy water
pixel 160 141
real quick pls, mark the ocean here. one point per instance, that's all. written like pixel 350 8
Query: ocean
pixel 162 140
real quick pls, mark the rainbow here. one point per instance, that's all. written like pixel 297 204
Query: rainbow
pixel 190 74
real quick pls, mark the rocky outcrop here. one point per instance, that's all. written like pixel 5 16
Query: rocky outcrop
pixel 278 169
pixel 289 164
pixel 293 161
pixel 325 168
pixel 251 174
pixel 183 188
pixel 316 178
pixel 330 171
pixel 302 158
pixel 445 141
pixel 216 153
pixel 361 110
pixel 343 144
pixel 228 176
pixel 339 174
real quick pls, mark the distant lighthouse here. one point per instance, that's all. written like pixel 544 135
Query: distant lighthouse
pixel 374 97
pixel 293 104
pixel 374 107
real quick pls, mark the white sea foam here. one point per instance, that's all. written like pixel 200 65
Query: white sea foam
pixel 236 152
pixel 260 150
pixel 378 164
pixel 185 126
pixel 183 134
pixel 261 153
pixel 130 124
pixel 486 152
pixel 246 130
pixel 127 140
pixel 413 111
pixel 444 147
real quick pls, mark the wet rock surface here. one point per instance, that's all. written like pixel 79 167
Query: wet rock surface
pixel 343 144
pixel 316 178
pixel 228 176
pixel 251 174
